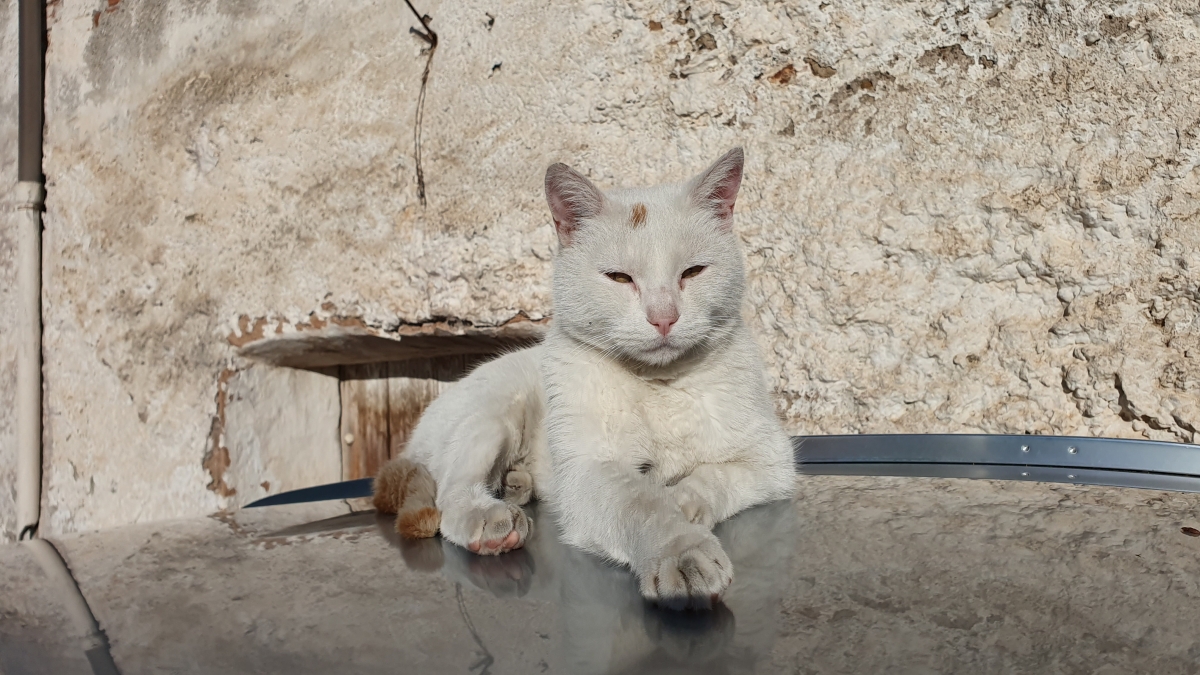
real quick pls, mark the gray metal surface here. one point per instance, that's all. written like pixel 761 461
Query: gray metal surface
pixel 347 489
pixel 1114 462
pixel 1049 459
pixel 1038 474
pixel 1116 454
pixel 856 575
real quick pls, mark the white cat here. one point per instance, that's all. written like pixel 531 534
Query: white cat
pixel 642 419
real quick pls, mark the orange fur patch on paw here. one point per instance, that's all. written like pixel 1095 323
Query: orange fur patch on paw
pixel 420 524
pixel 407 489
pixel 639 215
pixel 391 486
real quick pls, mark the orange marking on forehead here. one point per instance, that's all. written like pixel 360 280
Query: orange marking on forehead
pixel 639 215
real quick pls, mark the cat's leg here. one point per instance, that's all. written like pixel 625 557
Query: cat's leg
pixel 609 508
pixel 472 517
pixel 712 493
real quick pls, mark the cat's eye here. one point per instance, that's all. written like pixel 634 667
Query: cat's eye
pixel 693 271
pixel 619 277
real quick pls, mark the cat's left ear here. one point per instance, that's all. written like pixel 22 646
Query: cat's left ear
pixel 716 189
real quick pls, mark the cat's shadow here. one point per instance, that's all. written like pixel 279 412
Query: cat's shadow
pixel 601 606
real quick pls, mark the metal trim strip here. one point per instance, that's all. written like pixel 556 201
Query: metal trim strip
pixel 1114 462
pixel 347 489
pixel 1039 474
pixel 1114 454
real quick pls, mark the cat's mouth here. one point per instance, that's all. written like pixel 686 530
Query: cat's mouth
pixel 664 344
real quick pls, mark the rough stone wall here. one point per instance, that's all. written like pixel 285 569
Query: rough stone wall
pixel 8 271
pixel 957 216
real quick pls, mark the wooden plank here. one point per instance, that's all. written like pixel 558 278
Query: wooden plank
pixel 365 444
pixel 410 390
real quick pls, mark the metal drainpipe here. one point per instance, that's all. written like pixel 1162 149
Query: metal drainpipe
pixel 92 638
pixel 30 198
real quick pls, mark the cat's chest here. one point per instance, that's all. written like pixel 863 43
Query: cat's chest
pixel 689 423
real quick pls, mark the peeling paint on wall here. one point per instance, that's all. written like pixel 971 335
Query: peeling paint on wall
pixel 216 460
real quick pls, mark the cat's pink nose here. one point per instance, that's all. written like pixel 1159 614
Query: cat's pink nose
pixel 663 320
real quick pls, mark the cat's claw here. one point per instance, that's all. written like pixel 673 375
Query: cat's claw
pixel 504 528
pixel 692 572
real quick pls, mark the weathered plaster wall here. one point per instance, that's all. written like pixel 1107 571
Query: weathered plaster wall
pixel 8 271
pixel 281 432
pixel 957 216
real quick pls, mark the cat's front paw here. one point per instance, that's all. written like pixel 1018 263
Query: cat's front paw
pixel 497 529
pixel 691 572
pixel 518 487
pixel 693 506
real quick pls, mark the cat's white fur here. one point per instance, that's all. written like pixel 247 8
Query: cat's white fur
pixel 644 417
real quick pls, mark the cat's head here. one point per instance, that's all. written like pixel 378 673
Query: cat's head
pixel 647 274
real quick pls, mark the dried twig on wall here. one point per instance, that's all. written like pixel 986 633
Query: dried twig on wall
pixel 429 36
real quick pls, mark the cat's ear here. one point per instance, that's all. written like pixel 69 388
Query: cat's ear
pixel 572 199
pixel 716 189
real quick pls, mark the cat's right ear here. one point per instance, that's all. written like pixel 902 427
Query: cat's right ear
pixel 572 199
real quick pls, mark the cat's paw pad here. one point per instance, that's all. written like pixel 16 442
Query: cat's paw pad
pixel 694 508
pixel 691 573
pixel 518 487
pixel 500 528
